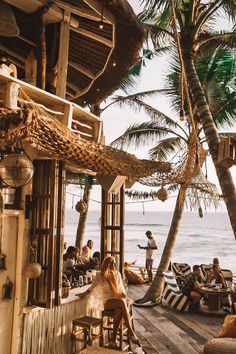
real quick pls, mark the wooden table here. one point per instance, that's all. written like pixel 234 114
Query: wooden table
pixel 214 296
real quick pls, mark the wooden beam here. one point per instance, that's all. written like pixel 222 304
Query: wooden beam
pixel 73 87
pixel 27 40
pixel 63 56
pixel 96 6
pixel 82 69
pixel 94 36
pixel 89 14
pixel 10 52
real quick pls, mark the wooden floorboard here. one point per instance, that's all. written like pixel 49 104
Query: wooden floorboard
pixel 165 331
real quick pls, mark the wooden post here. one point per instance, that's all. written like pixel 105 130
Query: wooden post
pixel 63 55
pixel 41 54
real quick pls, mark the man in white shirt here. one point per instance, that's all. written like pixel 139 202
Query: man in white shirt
pixel 150 248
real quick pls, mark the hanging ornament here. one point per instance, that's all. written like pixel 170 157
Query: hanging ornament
pixel 32 270
pixel 200 212
pixel 81 207
pixel 162 194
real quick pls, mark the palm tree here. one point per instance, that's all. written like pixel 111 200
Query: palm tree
pixel 216 69
pixel 188 24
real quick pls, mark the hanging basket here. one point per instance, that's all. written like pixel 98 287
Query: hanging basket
pixel 32 270
pixel 81 207
pixel 200 212
pixel 162 194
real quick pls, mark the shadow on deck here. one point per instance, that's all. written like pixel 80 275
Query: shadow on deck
pixel 166 331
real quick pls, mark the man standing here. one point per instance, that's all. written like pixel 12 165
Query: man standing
pixel 151 246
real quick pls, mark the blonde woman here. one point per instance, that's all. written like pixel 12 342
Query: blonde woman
pixel 114 297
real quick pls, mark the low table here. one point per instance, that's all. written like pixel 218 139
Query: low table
pixel 214 296
pixel 99 350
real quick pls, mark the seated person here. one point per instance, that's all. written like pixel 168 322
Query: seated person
pixel 215 276
pixel 131 276
pixel 70 265
pixel 109 281
pixel 69 258
pixel 191 288
pixel 86 251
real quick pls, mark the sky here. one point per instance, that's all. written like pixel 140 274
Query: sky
pixel 117 120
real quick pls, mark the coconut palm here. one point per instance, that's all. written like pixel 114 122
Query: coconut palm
pixel 171 135
pixel 188 24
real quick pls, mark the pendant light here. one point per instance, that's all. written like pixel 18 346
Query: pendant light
pixel 16 170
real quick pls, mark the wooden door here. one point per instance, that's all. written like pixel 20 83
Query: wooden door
pixel 46 231
pixel 112 226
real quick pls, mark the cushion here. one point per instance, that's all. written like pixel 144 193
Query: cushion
pixel 220 346
pixel 228 329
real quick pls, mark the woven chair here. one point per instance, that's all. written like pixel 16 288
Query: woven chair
pixel 171 295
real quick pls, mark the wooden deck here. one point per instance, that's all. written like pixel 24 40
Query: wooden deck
pixel 166 331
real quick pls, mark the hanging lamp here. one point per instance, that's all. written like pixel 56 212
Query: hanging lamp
pixel 8 25
pixel 162 194
pixel 16 170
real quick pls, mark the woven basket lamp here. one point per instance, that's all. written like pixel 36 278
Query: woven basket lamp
pixel 16 170
pixel 81 207
pixel 162 194
pixel 32 270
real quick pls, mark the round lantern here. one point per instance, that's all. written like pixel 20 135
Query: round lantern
pixel 16 170
pixel 81 207
pixel 32 270
pixel 162 194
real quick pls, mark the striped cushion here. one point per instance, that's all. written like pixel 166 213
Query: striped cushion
pixel 171 295
pixel 181 269
pixel 205 269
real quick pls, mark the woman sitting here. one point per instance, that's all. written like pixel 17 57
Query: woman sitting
pixel 114 297
pixel 215 276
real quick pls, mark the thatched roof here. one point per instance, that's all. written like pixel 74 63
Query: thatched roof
pixel 98 58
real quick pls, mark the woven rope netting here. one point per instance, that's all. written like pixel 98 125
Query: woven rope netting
pixel 46 133
pixel 184 165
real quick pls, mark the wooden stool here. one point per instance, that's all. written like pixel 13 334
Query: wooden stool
pixel 85 325
pixel 107 325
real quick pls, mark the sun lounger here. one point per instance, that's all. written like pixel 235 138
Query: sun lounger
pixel 171 295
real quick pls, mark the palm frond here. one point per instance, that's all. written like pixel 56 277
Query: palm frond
pixel 143 134
pixel 165 148
pixel 221 39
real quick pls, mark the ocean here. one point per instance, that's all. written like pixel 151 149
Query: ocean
pixel 199 239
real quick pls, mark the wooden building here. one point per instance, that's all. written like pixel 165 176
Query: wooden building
pixel 56 57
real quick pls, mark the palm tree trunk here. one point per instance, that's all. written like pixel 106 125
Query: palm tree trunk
pixel 155 288
pixel 212 137
pixel 82 219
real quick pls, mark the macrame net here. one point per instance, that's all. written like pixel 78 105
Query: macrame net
pixel 44 132
pixel 184 165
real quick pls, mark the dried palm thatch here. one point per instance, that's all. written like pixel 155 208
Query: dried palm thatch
pixel 200 191
pixel 47 134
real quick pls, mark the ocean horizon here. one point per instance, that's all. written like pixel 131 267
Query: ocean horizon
pixel 199 240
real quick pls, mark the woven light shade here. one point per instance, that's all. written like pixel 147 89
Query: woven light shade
pixel 8 25
pixel 81 207
pixel 32 270
pixel 163 194
pixel 16 170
